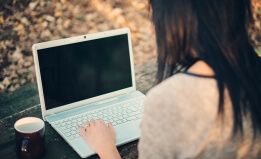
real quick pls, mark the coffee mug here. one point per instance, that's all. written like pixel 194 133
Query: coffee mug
pixel 30 137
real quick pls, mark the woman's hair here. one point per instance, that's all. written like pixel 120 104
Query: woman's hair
pixel 216 32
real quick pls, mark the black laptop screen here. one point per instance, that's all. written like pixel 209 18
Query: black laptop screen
pixel 79 71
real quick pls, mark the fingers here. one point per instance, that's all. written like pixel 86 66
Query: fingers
pixel 81 130
pixel 100 121
pixel 86 124
pixel 110 125
pixel 92 122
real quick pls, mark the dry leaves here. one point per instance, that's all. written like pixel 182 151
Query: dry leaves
pixel 23 23
pixel 255 31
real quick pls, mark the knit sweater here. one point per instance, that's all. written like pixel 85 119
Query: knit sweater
pixel 181 121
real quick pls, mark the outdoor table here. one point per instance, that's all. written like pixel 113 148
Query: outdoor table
pixel 25 102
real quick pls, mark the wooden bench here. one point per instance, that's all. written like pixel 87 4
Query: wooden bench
pixel 25 102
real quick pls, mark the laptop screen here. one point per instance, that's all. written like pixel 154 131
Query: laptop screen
pixel 78 71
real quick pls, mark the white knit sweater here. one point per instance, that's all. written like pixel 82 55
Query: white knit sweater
pixel 181 121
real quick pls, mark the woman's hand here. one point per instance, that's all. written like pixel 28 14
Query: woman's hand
pixel 100 138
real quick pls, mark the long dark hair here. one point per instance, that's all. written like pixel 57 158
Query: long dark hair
pixel 216 32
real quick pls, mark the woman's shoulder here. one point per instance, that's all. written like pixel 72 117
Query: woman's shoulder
pixel 184 83
pixel 200 77
pixel 184 93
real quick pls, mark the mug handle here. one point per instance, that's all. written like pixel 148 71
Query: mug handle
pixel 24 148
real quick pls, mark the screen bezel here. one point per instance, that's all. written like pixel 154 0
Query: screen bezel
pixel 77 39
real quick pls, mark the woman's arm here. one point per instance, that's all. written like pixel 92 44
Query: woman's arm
pixel 100 138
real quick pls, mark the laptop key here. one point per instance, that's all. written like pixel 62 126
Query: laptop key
pixel 73 132
pixel 71 137
pixel 67 134
pixel 63 124
pixel 119 122
pixel 62 128
pixel 68 122
pixel 73 124
pixel 74 120
pixel 96 118
pixel 77 135
pixel 66 130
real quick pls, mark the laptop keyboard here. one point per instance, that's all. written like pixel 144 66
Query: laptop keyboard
pixel 118 114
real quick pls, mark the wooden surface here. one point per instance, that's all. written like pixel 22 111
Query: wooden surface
pixel 25 102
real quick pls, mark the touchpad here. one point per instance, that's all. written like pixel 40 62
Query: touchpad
pixel 127 132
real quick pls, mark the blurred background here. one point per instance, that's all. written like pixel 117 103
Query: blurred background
pixel 25 22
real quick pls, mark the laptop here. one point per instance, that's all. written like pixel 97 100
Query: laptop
pixel 89 77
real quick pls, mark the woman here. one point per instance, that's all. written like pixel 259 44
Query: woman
pixel 207 102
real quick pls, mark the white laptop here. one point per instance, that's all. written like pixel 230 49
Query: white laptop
pixel 89 77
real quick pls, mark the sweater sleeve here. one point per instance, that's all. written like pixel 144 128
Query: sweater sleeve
pixel 172 125
pixel 151 129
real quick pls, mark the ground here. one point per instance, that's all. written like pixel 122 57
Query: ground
pixel 25 22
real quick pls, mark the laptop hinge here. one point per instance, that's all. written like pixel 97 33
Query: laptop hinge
pixel 53 114
pixel 107 100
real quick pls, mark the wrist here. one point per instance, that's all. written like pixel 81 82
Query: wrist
pixel 109 153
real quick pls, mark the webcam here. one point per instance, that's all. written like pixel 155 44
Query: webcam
pixel 84 37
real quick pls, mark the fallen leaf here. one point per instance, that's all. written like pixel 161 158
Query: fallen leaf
pixel 58 13
pixel 2 87
pixel 45 34
pixel 66 23
pixel 2 19
pixel 6 82
pixel 49 18
pixel 27 63
pixel 25 21
pixel 11 89
pixel 62 1
pixel 32 5
pixel 17 55
pixel 23 81
pixel 44 24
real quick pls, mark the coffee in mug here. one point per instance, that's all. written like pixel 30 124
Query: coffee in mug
pixel 30 137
